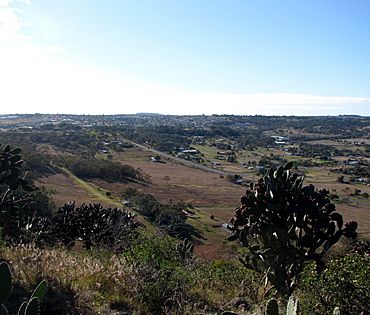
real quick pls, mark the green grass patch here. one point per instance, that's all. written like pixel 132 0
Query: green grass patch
pixel 100 194
pixel 96 191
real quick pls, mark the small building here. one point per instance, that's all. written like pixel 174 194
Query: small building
pixel 227 227
pixel 280 142
pixel 154 159
pixel 190 151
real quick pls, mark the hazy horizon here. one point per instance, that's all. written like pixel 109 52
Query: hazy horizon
pixel 159 114
pixel 292 57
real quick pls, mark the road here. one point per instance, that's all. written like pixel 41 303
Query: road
pixel 179 160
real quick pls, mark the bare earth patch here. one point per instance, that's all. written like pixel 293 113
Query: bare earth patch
pixel 173 183
pixel 67 190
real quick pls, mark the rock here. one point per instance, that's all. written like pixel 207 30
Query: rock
pixel 238 302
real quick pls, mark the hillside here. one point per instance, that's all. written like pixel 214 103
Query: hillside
pixel 178 180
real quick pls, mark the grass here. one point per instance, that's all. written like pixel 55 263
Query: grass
pixel 100 194
pixel 101 156
pixel 148 275
pixel 209 152
pixel 132 154
pixel 76 279
pixel 97 192
pixel 213 244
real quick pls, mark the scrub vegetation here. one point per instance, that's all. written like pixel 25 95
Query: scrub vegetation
pixel 156 246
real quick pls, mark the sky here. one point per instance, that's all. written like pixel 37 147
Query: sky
pixel 269 57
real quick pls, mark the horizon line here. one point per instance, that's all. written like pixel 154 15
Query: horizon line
pixel 179 115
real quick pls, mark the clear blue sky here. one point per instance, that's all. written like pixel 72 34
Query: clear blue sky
pixel 187 56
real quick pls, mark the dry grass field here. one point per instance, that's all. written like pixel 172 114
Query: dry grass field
pixel 172 182
pixel 66 189
pixel 209 193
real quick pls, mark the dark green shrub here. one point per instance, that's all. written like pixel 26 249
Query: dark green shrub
pixel 129 193
pixel 344 283
pixel 103 169
pixel 161 274
pixel 93 225
pixel 169 217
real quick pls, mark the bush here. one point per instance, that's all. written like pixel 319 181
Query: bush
pixel 345 283
pixel 220 281
pixel 161 274
pixel 169 217
pixel 93 225
pixel 103 169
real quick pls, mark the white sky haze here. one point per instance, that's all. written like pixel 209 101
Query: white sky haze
pixel 40 74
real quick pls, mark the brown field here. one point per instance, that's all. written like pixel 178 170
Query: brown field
pixel 169 182
pixel 208 192
pixel 65 189
pixel 222 213
pixel 360 214
pixel 173 183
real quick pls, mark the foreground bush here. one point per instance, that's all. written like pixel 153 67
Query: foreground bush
pixel 156 275
pixel 221 281
pixel 344 283
pixel 161 274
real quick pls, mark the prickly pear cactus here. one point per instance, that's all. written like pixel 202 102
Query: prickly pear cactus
pixel 284 224
pixel 30 307
pixel 10 169
pixel 272 307
pixel 336 311
pixel 5 282
pixel 292 307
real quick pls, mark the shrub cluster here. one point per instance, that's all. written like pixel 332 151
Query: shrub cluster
pixel 92 225
pixel 168 279
pixel 169 217
pixel 344 283
pixel 26 216
pixel 103 169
